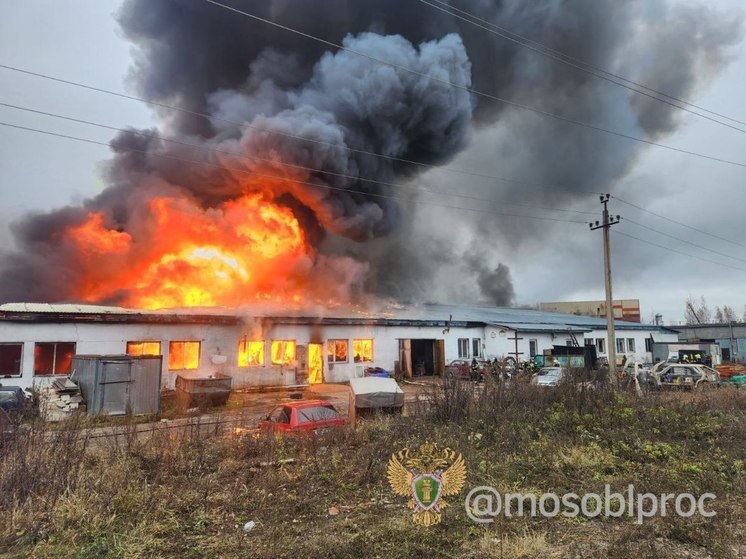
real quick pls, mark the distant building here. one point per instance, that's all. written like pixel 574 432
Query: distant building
pixel 624 309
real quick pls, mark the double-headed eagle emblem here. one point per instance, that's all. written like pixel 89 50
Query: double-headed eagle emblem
pixel 425 476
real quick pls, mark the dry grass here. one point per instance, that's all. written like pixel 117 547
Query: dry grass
pixel 184 494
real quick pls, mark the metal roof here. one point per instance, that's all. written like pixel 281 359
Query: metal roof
pixel 63 308
pixel 522 320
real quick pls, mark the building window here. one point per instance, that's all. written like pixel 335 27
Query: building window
pixel 476 347
pixel 250 354
pixel 183 356
pixel 53 358
pixel 601 345
pixel 649 345
pixel 337 351
pixel 589 341
pixel 533 347
pixel 10 359
pixel 143 348
pixel 631 345
pixel 362 350
pixel 620 345
pixel 283 352
pixel 463 347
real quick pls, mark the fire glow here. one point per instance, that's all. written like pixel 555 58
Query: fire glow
pixel 178 254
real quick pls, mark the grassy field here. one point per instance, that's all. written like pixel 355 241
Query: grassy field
pixel 326 495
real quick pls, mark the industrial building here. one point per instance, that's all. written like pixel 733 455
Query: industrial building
pixel 624 309
pixel 730 336
pixel 282 348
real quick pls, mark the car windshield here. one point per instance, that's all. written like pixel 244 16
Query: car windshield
pixel 550 372
pixel 8 397
pixel 316 413
pixel 280 415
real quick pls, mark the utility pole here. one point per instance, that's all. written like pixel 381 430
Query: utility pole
pixel 606 224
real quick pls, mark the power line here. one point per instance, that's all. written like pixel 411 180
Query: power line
pixel 274 162
pixel 669 249
pixel 281 178
pixel 474 91
pixel 579 64
pixel 713 235
pixel 685 241
pixel 281 133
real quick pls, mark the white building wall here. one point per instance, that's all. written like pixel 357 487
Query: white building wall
pixel 639 336
pixel 100 338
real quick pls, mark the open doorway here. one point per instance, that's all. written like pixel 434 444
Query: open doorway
pixel 423 357
pixel 315 364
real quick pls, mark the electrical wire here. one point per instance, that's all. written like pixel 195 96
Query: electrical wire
pixel 292 165
pixel 684 240
pixel 284 134
pixel 669 249
pixel 579 64
pixel 285 179
pixel 474 91
pixel 661 216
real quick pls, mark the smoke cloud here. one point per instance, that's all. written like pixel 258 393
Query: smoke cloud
pixel 296 121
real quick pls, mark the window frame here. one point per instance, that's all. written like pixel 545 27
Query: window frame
pixel 477 346
pixel 620 345
pixel 631 345
pixel 535 351
pixel 283 342
pixel 601 345
pixel 331 350
pixel 142 342
pixel 199 354
pixel 246 342
pixel 466 345
pixel 20 361
pixel 363 359
pixel 54 357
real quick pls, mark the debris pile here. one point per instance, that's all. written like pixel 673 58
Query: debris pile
pixel 58 401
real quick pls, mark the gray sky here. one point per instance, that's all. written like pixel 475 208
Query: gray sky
pixel 79 40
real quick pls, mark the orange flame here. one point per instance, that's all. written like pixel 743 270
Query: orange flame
pixel 181 255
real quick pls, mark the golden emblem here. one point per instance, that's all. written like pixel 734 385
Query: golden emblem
pixel 425 476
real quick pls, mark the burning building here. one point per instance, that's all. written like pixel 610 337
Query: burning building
pixel 281 348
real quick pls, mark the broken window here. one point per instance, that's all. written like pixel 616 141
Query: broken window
pixel 337 351
pixel 463 347
pixel 250 354
pixel 10 359
pixel 363 350
pixel 143 348
pixel 283 352
pixel 183 356
pixel 53 358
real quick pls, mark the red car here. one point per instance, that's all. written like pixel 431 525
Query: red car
pixel 302 415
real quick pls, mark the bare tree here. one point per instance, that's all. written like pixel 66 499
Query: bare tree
pixel 719 316
pixel 729 315
pixel 697 312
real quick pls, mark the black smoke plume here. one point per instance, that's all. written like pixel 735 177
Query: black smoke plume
pixel 295 119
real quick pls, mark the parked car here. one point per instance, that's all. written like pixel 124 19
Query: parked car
pixel 549 376
pixel 461 368
pixel 12 398
pixel 682 376
pixel 302 415
pixel 13 401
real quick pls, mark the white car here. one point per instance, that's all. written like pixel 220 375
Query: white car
pixel 685 376
pixel 548 376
